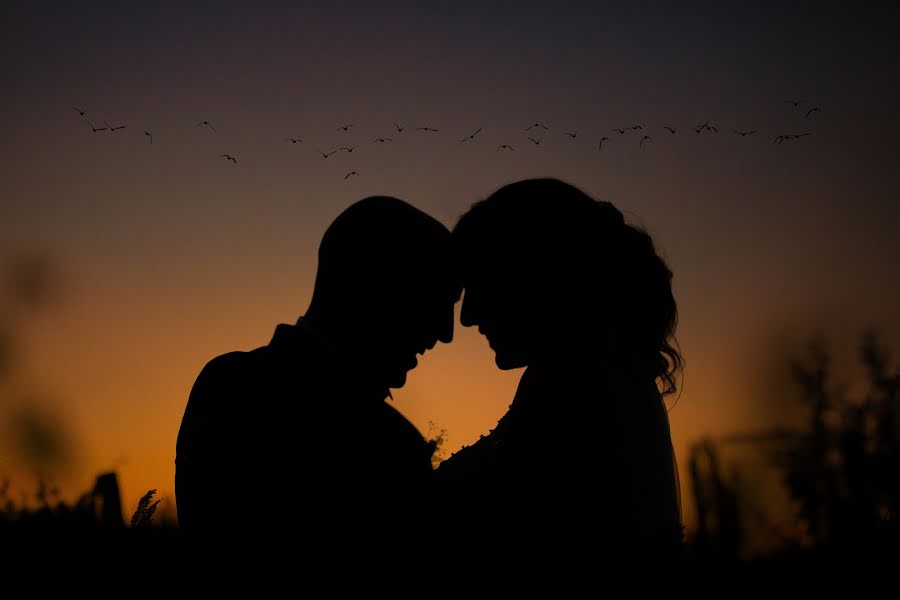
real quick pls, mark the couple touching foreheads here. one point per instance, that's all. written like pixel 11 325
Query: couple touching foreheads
pixel 292 463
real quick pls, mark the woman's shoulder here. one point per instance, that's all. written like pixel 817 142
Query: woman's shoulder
pixel 468 458
pixel 585 396
pixel 466 475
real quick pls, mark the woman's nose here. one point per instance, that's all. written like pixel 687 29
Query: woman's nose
pixel 445 326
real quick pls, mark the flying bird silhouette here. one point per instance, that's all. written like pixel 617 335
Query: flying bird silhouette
pixel 571 134
pixel 672 130
pixel 229 157
pixel 505 147
pixel 96 129
pixel 293 140
pixel 345 127
pixel 812 110
pixel 635 127
pixel 536 142
pixel 147 133
pixel 646 138
pixel 326 154
pixel 208 124
pixel 113 129
pixel 533 125
pixel 796 103
pixel 472 136
pixel 399 128
pixel 80 111
pixel 350 149
pixel 789 136
pixel 619 131
pixel 743 133
pixel 351 173
pixel 382 140
pixel 425 129
pixel 603 139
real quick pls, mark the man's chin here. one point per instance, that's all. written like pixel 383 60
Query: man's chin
pixel 398 380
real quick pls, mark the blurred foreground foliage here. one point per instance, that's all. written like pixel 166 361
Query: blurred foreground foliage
pixel 34 433
pixel 841 472
pixel 87 535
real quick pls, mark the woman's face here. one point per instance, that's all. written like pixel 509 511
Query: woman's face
pixel 508 305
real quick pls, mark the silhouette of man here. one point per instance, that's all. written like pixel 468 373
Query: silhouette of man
pixel 288 455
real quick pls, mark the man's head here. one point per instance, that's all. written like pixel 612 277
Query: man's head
pixel 385 286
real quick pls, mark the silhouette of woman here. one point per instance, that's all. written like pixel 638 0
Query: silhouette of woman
pixel 577 482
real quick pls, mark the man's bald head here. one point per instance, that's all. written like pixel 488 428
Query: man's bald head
pixel 378 243
pixel 386 280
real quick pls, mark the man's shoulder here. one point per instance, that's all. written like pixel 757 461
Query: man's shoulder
pixel 230 383
pixel 396 428
pixel 233 368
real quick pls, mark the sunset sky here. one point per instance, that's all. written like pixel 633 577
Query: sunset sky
pixel 169 254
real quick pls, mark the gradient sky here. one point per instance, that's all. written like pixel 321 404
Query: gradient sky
pixel 171 255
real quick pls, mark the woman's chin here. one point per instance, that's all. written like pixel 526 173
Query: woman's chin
pixel 505 362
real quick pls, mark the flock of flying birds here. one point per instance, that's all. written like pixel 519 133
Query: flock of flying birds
pixel 535 133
